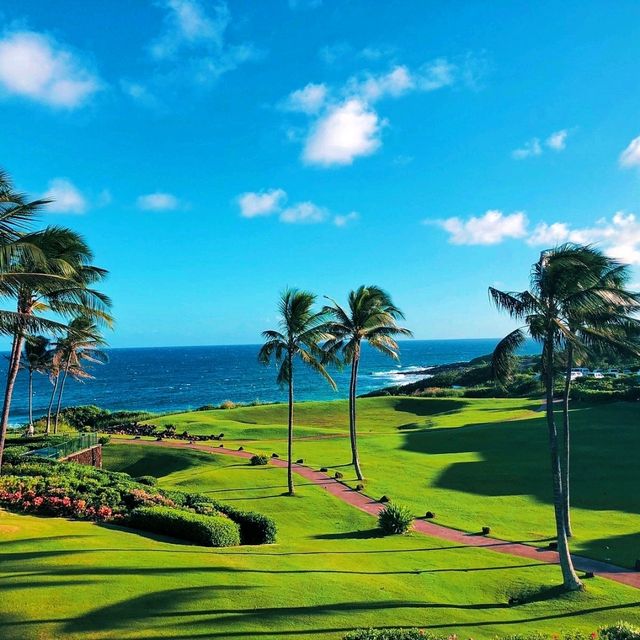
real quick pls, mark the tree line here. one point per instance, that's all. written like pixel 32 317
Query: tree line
pixel 579 302
pixel 49 276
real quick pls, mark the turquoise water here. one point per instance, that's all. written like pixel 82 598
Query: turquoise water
pixel 174 378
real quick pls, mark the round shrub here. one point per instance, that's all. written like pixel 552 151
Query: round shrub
pixel 429 515
pixel 359 487
pixel 103 440
pixel 384 499
pixel 338 476
pixel 486 531
pixel 394 519
pixel 323 469
pixel 150 481
pixel 300 461
pixel 275 455
pixel 209 531
pixel 259 460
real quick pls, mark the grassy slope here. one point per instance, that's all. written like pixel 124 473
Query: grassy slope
pixel 328 573
pixel 473 462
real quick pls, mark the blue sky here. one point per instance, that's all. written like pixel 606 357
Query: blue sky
pixel 214 153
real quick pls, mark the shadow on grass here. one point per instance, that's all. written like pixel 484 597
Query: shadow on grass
pixel 351 535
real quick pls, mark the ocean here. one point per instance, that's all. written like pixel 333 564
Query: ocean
pixel 180 378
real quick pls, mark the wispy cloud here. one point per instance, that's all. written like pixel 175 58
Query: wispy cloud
pixel 345 122
pixel 37 67
pixel 491 228
pixel 262 203
pixel 618 236
pixel 65 197
pixel 630 157
pixel 271 202
pixel 158 201
pixel 556 141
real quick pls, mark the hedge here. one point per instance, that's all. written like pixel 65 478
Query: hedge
pixel 210 531
pixel 618 631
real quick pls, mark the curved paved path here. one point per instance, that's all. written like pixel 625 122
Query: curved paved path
pixel 366 504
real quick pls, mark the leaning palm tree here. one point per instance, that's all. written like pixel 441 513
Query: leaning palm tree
pixel 541 310
pixel 371 317
pixel 59 280
pixel 299 337
pixel 604 324
pixel 82 344
pixel 36 355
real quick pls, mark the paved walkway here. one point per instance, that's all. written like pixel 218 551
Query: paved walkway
pixel 366 504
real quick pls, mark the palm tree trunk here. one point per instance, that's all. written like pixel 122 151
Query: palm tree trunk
pixel 53 395
pixel 566 444
pixel 355 458
pixel 30 430
pixel 571 582
pixel 290 431
pixel 64 379
pixel 14 365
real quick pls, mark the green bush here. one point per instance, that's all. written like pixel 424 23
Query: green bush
pixel 103 440
pixel 209 531
pixel 150 481
pixel 392 634
pixel 14 454
pixel 255 528
pixel 619 631
pixel 259 460
pixel 394 519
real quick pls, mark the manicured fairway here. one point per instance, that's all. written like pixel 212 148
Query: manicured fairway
pixel 472 462
pixel 329 572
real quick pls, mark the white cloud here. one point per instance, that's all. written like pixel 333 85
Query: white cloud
pixel 491 228
pixel 309 99
pixel 347 219
pixel 304 212
pixel 557 140
pixel 158 201
pixel 254 204
pixel 264 203
pixel 630 157
pixel 437 74
pixel 618 237
pixel 35 66
pixel 549 234
pixel 346 131
pixel 531 148
pixel 348 126
pixel 374 87
pixel 193 46
pixel 65 197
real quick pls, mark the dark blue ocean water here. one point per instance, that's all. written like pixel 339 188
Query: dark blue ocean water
pixel 174 378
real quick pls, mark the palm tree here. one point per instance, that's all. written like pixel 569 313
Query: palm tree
pixel 372 317
pixel 36 355
pixel 57 280
pixel 299 337
pixel 542 309
pixel 604 324
pixel 82 344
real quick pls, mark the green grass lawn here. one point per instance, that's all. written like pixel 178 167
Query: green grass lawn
pixel 472 462
pixel 329 572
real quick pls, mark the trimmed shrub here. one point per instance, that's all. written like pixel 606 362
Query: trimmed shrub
pixel 323 470
pixel 300 461
pixel 619 631
pixel 150 481
pixel 259 460
pixel 338 476
pixel 103 440
pixel 394 519
pixel 486 531
pixel 209 531
pixel 359 487
pixel 275 455
pixel 384 499
pixel 391 634
pixel 429 515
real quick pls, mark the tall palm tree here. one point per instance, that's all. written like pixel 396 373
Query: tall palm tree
pixel 299 336
pixel 58 280
pixel 604 324
pixel 82 344
pixel 37 355
pixel 541 309
pixel 371 317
